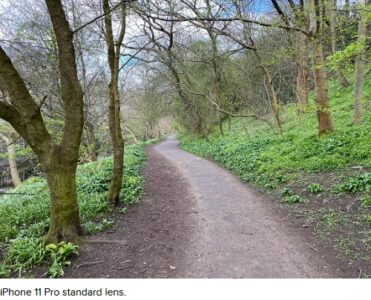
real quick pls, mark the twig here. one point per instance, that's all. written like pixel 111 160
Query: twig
pixel 87 264
pixel 14 141
pixel 104 242
pixel 43 101
pixel 102 15
pixel 165 228
pixel 314 249
pixel 121 268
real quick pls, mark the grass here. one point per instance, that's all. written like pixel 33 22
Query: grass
pixel 332 173
pixel 268 154
pixel 24 217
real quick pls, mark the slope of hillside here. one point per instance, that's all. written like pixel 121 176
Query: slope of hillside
pixel 324 182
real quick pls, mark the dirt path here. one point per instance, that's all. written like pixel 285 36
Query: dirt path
pixel 198 220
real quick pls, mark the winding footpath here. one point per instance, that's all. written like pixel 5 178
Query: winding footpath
pixel 198 220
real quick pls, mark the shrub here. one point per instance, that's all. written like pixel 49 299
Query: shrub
pixel 59 257
pixel 366 201
pixel 292 199
pixel 315 188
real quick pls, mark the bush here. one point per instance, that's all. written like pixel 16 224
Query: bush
pixel 315 188
pixel 366 201
pixel 59 256
pixel 361 183
pixel 292 199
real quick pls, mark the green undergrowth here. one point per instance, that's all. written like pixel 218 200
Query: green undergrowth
pixel 337 165
pixel 260 155
pixel 24 216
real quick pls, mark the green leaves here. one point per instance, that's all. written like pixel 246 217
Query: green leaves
pixel 361 183
pixel 315 188
pixel 59 257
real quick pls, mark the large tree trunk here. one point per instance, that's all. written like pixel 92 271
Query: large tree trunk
pixel 23 113
pixel 62 163
pixel 362 30
pixel 64 210
pixel 302 77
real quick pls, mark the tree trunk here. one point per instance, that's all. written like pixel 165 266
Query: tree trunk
pixel 131 133
pixel 64 210
pixel 114 114
pixel 321 87
pixel 92 141
pixel 16 179
pixel 10 147
pixel 302 78
pixel 268 84
pixel 114 117
pixel 23 113
pixel 325 124
pixel 220 121
pixel 272 97
pixel 362 30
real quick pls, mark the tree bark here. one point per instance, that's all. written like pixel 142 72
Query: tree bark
pixel 114 114
pixel 325 124
pixel 64 210
pixel 114 119
pixel 360 66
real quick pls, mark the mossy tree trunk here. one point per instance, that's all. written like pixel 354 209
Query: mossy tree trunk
pixel 58 160
pixel 325 124
pixel 64 209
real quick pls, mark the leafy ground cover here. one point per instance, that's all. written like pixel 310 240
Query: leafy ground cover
pixel 325 181
pixel 24 215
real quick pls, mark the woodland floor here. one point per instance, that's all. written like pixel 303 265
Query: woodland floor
pixel 197 220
